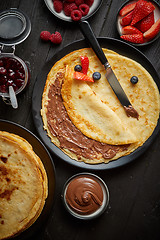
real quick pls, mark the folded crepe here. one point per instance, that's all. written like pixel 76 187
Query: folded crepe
pixel 96 111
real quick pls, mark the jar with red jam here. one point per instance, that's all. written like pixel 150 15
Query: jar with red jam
pixel 15 27
pixel 85 196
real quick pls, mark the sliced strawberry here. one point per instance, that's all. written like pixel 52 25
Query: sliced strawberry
pixel 134 38
pixel 130 30
pixel 82 77
pixel 153 31
pixel 141 10
pixel 127 19
pixel 146 23
pixel 84 64
pixel 126 9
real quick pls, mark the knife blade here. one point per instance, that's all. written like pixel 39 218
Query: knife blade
pixel 110 76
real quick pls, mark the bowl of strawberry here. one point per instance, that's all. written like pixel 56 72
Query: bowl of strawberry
pixel 138 22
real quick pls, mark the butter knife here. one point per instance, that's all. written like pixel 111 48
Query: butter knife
pixel 110 76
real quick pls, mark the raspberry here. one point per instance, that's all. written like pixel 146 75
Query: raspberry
pixel 70 1
pixel 56 38
pixel 58 6
pixel 76 15
pixel 68 8
pixel 79 2
pixel 89 2
pixel 45 35
pixel 84 8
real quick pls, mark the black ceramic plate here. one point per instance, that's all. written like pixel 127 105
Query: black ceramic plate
pixel 93 9
pixel 115 45
pixel 44 155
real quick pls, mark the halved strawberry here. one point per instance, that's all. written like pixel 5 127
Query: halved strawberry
pixel 141 10
pixel 130 30
pixel 82 77
pixel 126 9
pixel 134 38
pixel 146 23
pixel 84 64
pixel 153 31
pixel 127 19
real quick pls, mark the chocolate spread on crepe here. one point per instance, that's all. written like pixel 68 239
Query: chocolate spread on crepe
pixel 68 135
pixel 131 112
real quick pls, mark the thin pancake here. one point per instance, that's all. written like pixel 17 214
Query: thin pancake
pixel 101 95
pixel 24 185
pixel 97 113
pixel 91 115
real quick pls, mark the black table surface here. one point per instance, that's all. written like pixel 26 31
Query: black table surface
pixel 134 207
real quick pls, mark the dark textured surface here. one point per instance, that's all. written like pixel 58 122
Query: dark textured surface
pixel 134 208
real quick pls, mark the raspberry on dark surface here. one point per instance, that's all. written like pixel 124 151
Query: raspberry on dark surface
pixel 56 38
pixel 45 35
pixel 76 15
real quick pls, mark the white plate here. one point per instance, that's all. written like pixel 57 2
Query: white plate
pixel 93 9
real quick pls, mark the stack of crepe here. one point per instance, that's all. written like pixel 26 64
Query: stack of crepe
pixel 23 185
pixel 94 109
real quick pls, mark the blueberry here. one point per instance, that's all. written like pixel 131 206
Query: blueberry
pixel 96 75
pixel 78 68
pixel 134 80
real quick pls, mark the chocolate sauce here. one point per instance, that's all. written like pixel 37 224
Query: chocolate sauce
pixel 84 195
pixel 131 112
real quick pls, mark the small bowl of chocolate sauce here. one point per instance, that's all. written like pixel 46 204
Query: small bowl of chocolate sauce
pixel 85 196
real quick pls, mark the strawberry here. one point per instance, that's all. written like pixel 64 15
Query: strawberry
pixel 82 77
pixel 146 23
pixel 153 31
pixel 84 64
pixel 141 10
pixel 134 38
pixel 127 19
pixel 130 30
pixel 126 9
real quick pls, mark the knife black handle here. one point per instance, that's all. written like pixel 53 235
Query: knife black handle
pixel 89 35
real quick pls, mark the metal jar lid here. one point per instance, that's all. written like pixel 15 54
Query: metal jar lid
pixel 15 27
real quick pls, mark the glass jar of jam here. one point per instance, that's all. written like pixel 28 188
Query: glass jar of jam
pixel 15 27
pixel 13 72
